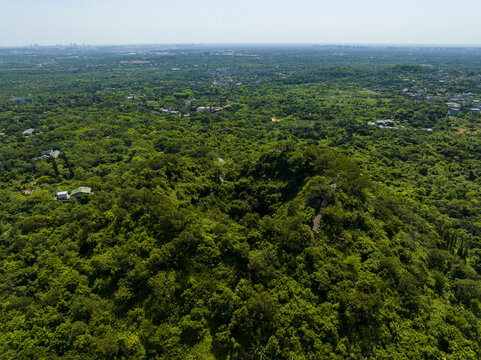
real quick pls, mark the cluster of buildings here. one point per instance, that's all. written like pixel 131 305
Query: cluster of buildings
pixel 222 76
pixel 64 195
pixel 383 123
pixel 223 82
pixel 453 108
pixel 21 100
pixel 202 109
pixel 189 102
pixel 166 111
pixel 170 112
pixel 48 153
pixel 389 124
pixel 131 97
pixel 109 89
pixel 211 109
pixel 456 103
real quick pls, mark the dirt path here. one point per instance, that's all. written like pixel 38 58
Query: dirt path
pixel 316 226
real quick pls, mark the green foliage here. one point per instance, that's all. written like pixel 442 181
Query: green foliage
pixel 199 239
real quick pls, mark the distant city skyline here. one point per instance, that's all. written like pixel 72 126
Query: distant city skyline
pixel 117 22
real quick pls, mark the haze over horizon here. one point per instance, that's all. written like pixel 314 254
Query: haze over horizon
pixel 426 22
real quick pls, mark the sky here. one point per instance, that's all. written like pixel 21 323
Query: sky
pixel 94 22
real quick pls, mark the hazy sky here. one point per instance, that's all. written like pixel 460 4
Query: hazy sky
pixel 46 22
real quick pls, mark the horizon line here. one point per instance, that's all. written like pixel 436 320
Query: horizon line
pixel 373 44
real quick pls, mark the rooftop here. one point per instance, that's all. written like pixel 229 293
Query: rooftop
pixel 81 190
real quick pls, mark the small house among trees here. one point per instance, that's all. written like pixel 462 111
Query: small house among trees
pixel 62 195
pixel 82 190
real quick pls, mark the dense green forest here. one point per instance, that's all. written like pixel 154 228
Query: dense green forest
pixel 267 202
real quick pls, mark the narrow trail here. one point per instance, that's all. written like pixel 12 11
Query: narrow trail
pixel 316 226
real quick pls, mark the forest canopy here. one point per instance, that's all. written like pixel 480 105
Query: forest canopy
pixel 278 203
